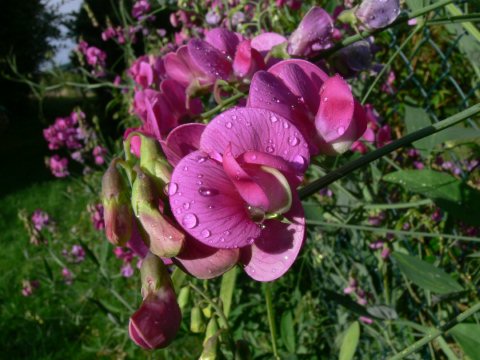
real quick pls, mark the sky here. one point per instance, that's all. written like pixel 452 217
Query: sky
pixel 65 46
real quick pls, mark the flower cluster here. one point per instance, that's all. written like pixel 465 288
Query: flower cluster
pixel 95 58
pixel 207 197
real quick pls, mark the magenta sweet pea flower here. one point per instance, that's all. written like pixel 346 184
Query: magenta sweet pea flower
pixel 40 219
pixel 322 108
pixel 314 33
pixel 58 166
pixel 247 60
pixel 147 70
pixel 376 14
pixel 232 193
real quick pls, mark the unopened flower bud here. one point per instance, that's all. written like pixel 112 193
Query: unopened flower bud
pixel 197 324
pixel 165 240
pixel 116 206
pixel 183 297
pixel 210 344
pixel 156 323
pixel 153 161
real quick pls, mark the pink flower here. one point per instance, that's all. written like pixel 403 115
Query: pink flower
pixel 77 253
pixel 314 33
pixel 322 108
pixel 29 286
pixel 147 70
pixel 40 219
pixel 98 154
pixel 96 215
pixel 126 270
pixel 375 14
pixel 67 276
pixel 58 166
pixel 228 193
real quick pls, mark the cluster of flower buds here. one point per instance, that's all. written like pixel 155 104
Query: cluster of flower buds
pixel 35 224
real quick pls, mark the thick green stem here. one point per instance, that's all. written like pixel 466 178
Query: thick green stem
pixel 333 176
pixel 392 231
pixel 271 318
pixel 435 333
pixel 226 102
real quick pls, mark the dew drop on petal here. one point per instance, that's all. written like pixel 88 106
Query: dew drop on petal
pixel 185 168
pixel 270 149
pixel 207 192
pixel 172 188
pixel 286 125
pixel 190 221
pixel 186 206
pixel 300 162
pixel 226 233
pixel 228 125
pixel 202 159
pixel 199 182
pixel 273 119
pixel 205 233
pixel 293 141
pixel 199 176
pixel 341 130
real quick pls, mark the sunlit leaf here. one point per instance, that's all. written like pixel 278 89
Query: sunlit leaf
pixel 468 337
pixel 350 342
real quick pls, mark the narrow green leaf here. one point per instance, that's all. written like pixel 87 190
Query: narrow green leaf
pixel 468 26
pixel 48 269
pixel 468 337
pixel 226 289
pixel 426 275
pixel 446 348
pixel 452 195
pixel 416 119
pixel 287 331
pixel 382 312
pixel 350 342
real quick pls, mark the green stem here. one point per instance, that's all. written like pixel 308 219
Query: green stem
pixel 397 205
pixel 271 318
pixel 217 308
pixel 389 62
pixel 435 333
pixel 333 176
pixel 391 231
pixel 224 103
pixel 365 34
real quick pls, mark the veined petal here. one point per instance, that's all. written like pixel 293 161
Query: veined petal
pixel 274 252
pixel 224 40
pixel 210 60
pixel 263 43
pixel 204 201
pixel 249 129
pixel 182 140
pixel 205 262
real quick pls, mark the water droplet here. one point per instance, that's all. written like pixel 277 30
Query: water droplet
pixel 199 176
pixel 172 188
pixel 273 119
pixel 199 182
pixel 190 221
pixel 234 117
pixel 300 162
pixel 226 233
pixel 207 192
pixel 185 168
pixel 286 125
pixel 178 211
pixel 257 214
pixel 202 159
pixel 211 206
pixel 270 149
pixel 222 239
pixel 293 141
pixel 341 130
pixel 286 257
pixel 186 206
pixel 276 100
pixel 205 233
pixel 325 99
pixel 254 157
pixel 228 125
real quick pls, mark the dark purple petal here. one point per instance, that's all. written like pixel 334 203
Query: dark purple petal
pixel 376 14
pixel 182 140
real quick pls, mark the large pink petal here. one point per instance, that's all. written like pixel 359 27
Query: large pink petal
pixel 205 202
pixel 183 140
pixel 224 40
pixel 177 68
pixel 210 60
pixel 263 43
pixel 277 248
pixel 205 262
pixel 336 109
pixel 248 129
pixel 302 78
pixel 247 60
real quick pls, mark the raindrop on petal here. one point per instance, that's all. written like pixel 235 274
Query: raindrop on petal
pixel 190 221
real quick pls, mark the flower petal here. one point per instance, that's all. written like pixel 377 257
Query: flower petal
pixel 336 109
pixel 182 140
pixel 205 262
pixel 204 201
pixel 247 60
pixel 248 129
pixel 224 40
pixel 263 43
pixel 210 60
pixel 277 248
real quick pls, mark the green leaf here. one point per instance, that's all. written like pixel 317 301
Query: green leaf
pixel 347 302
pixel 350 342
pixel 287 331
pixel 426 275
pixel 452 195
pixel 48 269
pixel 467 336
pixel 382 312
pixel 226 289
pixel 416 119
pixel 178 277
